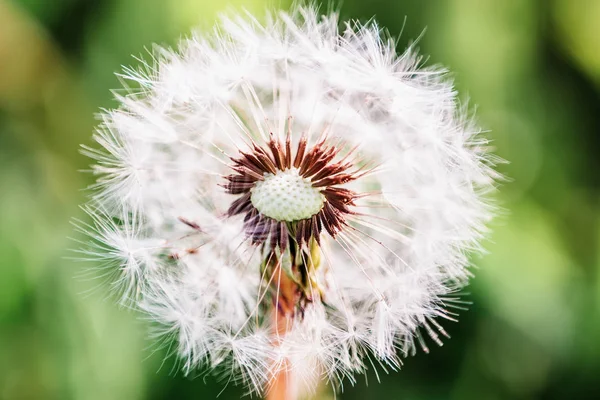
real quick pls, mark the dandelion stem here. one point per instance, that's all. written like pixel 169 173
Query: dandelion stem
pixel 281 386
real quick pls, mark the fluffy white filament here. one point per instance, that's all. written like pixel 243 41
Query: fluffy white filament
pixel 389 276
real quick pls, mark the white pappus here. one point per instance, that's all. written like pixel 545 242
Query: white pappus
pixel 289 197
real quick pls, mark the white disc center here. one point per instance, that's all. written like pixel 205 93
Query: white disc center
pixel 286 196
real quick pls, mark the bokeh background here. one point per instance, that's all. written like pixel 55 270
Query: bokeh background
pixel 532 67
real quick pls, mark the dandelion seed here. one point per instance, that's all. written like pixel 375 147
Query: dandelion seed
pixel 290 202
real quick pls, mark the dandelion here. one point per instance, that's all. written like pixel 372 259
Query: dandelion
pixel 289 202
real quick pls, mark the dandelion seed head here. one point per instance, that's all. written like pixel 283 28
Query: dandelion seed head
pixel 292 195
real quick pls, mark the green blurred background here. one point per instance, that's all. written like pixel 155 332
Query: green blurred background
pixel 531 66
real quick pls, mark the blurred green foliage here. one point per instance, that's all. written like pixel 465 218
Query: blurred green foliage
pixel 531 67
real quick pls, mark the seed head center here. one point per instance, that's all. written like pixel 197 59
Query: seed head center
pixel 286 196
